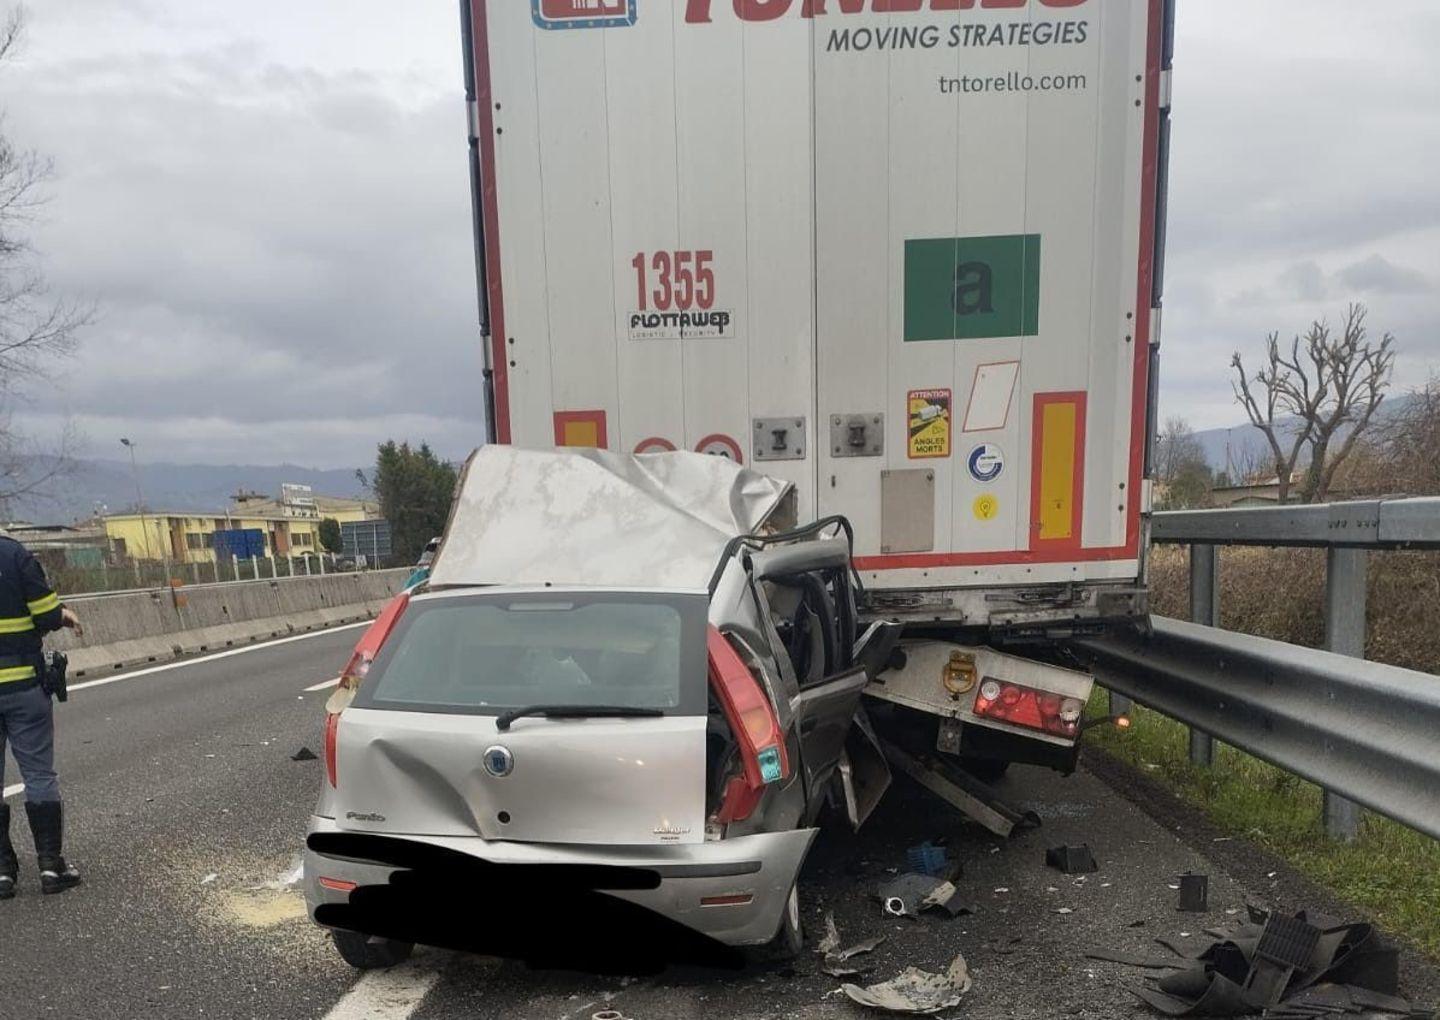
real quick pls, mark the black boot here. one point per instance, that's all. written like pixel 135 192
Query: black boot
pixel 9 865
pixel 47 825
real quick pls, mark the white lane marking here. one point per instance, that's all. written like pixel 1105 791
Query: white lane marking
pixel 323 684
pixel 391 994
pixel 184 663
pixel 11 791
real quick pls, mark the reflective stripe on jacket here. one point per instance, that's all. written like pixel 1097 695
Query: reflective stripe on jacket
pixel 28 610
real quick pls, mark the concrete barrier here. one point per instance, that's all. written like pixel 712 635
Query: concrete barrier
pixel 135 628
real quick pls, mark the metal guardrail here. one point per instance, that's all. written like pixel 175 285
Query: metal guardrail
pixel 1365 732
pixel 1367 524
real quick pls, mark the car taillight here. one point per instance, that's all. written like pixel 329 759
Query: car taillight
pixel 1034 709
pixel 355 672
pixel 754 725
pixel 332 723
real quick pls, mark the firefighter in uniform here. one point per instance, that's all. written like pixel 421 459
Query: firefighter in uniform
pixel 29 610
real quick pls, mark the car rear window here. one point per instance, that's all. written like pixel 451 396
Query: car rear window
pixel 487 653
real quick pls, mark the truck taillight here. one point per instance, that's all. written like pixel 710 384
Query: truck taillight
pixel 754 725
pixel 355 672
pixel 1026 706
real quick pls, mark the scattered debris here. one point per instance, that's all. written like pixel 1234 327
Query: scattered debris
pixel 1134 959
pixel 1288 967
pixel 946 900
pixel 915 991
pixel 835 961
pixel 831 941
pixel 904 896
pixel 304 754
pixel 1194 893
pixel 1072 860
pixel 1065 910
pixel 209 878
pixel 1002 889
pixel 928 859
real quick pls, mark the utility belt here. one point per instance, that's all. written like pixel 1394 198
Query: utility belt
pixel 48 671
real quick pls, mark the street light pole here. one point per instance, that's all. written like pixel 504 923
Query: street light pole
pixel 140 506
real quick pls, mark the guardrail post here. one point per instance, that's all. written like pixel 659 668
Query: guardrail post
pixel 1204 608
pixel 1345 597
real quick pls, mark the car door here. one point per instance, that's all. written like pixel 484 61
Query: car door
pixel 830 678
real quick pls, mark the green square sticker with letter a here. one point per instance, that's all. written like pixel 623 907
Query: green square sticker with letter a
pixel 972 288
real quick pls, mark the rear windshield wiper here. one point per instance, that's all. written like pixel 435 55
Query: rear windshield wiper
pixel 504 719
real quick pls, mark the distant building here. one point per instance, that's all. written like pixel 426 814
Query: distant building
pixel 299 501
pixel 186 536
pixel 70 545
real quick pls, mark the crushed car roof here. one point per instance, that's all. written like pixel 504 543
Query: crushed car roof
pixel 591 517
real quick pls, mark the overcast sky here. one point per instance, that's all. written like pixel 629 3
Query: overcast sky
pixel 269 202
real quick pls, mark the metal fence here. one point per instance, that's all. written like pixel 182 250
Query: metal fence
pixel 135 574
pixel 1369 734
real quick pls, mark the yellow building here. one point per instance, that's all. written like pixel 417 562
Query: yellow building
pixel 187 536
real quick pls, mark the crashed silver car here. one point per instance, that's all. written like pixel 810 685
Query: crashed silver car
pixel 628 686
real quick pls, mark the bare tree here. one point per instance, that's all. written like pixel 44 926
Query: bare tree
pixel 1409 442
pixel 35 329
pixel 1325 389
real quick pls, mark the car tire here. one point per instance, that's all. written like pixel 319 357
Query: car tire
pixel 790 939
pixel 365 953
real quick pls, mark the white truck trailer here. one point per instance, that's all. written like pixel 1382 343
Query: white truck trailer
pixel 904 254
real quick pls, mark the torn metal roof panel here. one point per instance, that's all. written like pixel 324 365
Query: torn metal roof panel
pixel 591 517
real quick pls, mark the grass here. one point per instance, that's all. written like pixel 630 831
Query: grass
pixel 1391 872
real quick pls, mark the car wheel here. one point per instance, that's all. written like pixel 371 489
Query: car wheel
pixel 790 939
pixel 365 953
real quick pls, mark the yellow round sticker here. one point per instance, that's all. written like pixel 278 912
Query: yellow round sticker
pixel 986 507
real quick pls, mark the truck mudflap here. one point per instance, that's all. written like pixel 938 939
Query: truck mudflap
pixel 731 890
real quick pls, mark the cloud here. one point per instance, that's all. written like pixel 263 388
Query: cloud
pixel 1378 275
pixel 270 202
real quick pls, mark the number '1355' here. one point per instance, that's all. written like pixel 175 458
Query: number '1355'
pixel 681 280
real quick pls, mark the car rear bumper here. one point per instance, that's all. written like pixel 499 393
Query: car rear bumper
pixel 753 875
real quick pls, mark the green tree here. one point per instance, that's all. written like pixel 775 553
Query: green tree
pixel 415 489
pixel 1181 468
pixel 330 535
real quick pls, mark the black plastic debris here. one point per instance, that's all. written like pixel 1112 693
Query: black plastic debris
pixel 1195 893
pixel 1286 968
pixel 1072 860
pixel 1286 944
pixel 945 900
pixel 304 754
pixel 902 896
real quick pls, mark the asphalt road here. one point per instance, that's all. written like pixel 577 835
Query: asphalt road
pixel 186 813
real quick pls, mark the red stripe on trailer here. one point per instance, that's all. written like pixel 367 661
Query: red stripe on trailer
pixel 1150 178
pixel 490 216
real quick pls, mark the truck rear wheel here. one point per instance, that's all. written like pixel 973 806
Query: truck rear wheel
pixel 365 953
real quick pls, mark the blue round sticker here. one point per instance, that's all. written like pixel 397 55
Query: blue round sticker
pixel 986 462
